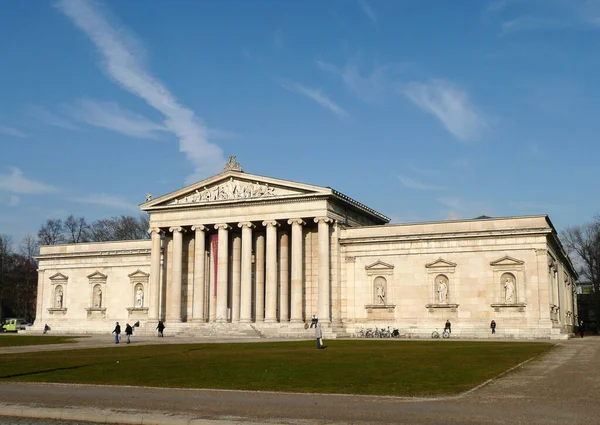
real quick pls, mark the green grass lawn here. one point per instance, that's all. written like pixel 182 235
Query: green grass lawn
pixel 14 340
pixel 401 368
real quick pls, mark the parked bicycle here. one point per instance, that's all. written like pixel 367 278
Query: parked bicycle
pixel 445 334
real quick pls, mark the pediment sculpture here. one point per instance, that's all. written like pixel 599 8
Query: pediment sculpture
pixel 230 190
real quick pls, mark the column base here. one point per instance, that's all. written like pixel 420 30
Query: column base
pixel 245 320
pixel 270 320
pixel 296 321
pixel 221 321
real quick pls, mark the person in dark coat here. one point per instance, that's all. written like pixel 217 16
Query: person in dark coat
pixel 160 327
pixel 448 326
pixel 128 332
pixel 581 329
pixel 493 326
pixel 117 333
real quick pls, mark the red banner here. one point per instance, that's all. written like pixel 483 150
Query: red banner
pixel 214 241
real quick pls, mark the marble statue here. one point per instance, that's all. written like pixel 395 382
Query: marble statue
pixel 139 298
pixel 98 298
pixel 442 290
pixel 380 293
pixel 59 299
pixel 509 291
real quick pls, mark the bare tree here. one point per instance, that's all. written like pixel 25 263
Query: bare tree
pixel 120 228
pixel 51 233
pixel 29 247
pixel 5 252
pixel 583 243
pixel 77 230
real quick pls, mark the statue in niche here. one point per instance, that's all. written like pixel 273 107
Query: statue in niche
pixel 98 297
pixel 509 291
pixel 139 297
pixel 59 298
pixel 380 293
pixel 442 290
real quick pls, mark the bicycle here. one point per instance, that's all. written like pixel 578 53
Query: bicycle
pixel 445 334
pixel 360 333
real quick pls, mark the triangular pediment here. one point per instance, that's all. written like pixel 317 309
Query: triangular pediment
pixel 97 275
pixel 379 265
pixel 138 274
pixel 234 187
pixel 507 261
pixel 440 262
pixel 58 276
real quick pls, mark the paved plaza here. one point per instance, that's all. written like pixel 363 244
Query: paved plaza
pixel 558 388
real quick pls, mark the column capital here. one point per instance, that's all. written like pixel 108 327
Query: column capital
pixel 296 221
pixel 176 229
pixel 223 226
pixel 323 219
pixel 154 230
pixel 273 223
pixel 246 224
pixel 200 227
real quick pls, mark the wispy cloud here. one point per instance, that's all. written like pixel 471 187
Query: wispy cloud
pixel 105 200
pixel 12 131
pixel 466 208
pixel 317 96
pixel 50 118
pixel 16 182
pixel 13 201
pixel 450 105
pixel 122 62
pixel 364 6
pixel 369 87
pixel 416 184
pixel 538 15
pixel 111 116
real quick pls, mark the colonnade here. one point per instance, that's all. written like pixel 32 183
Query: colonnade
pixel 276 278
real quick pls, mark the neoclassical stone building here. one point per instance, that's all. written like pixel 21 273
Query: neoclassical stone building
pixel 246 254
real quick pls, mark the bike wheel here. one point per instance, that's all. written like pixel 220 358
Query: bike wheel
pixel 446 334
pixel 369 334
pixel 360 334
pixel 435 334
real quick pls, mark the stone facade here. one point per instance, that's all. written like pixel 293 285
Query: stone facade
pixel 245 253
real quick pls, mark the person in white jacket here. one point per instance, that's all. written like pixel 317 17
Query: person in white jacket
pixel 319 335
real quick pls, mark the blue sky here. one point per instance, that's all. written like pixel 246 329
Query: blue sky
pixel 423 110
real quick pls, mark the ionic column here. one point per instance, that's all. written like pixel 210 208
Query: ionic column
pixel 236 278
pixel 246 278
pixel 260 279
pixel 271 268
pixel 324 293
pixel 154 296
pixel 296 296
pixel 222 272
pixel 199 272
pixel 284 282
pixel 174 312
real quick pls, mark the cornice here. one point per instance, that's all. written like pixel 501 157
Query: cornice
pixel 95 254
pixel 446 235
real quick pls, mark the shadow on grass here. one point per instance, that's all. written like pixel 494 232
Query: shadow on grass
pixel 37 372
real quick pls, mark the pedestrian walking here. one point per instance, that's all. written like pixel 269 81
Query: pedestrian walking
pixel 493 326
pixel 448 326
pixel 581 328
pixel 314 321
pixel 161 327
pixel 319 336
pixel 128 332
pixel 117 333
